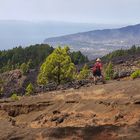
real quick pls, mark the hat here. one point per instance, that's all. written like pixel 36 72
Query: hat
pixel 98 60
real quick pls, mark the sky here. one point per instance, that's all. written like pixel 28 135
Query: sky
pixel 86 11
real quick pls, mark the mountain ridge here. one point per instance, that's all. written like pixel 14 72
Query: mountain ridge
pixel 95 31
pixel 100 41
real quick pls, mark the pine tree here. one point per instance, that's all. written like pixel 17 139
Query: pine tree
pixel 29 89
pixel 84 73
pixel 24 68
pixel 30 64
pixel 58 67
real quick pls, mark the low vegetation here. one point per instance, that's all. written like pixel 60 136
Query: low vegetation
pixel 15 96
pixel 29 89
pixel 135 74
pixel 84 73
pixel 109 71
pixel 24 68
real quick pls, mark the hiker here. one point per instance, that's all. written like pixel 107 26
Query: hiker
pixel 97 70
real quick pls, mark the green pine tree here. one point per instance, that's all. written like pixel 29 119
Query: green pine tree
pixel 30 64
pixel 24 68
pixel 84 73
pixel 58 67
pixel 29 89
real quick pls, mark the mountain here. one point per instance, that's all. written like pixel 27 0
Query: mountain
pixel 100 42
pixel 24 33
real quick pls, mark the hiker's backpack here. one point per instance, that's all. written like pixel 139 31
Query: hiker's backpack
pixel 97 67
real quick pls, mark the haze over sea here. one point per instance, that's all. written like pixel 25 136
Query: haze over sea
pixel 24 33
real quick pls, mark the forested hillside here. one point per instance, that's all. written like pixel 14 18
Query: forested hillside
pixel 123 55
pixel 33 55
pixel 12 59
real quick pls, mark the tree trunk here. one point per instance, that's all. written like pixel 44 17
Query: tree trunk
pixel 58 76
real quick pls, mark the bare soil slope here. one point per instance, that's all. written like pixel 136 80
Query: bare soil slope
pixel 101 112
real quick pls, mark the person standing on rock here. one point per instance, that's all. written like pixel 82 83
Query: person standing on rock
pixel 97 71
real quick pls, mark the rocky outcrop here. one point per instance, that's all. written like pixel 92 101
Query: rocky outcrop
pixel 53 86
pixel 15 82
pixel 12 83
pixel 125 68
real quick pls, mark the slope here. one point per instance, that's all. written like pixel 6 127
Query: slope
pixel 109 112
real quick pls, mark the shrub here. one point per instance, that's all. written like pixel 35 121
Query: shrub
pixel 135 74
pixel 15 97
pixel 1 90
pixel 84 73
pixel 24 68
pixel 29 89
pixel 107 78
pixel 109 71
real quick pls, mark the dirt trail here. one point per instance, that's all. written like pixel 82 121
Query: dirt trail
pixel 109 112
